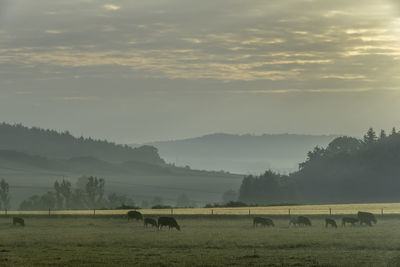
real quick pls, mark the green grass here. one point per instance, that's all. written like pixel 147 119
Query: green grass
pixel 203 241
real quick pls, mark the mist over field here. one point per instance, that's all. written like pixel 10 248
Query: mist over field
pixel 244 154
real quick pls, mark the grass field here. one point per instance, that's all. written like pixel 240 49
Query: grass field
pixel 203 241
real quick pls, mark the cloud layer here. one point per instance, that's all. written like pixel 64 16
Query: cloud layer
pixel 87 51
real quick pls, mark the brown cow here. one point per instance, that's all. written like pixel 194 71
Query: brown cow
pixel 366 217
pixel 331 222
pixel 262 221
pixel 150 221
pixel 18 220
pixel 350 220
pixel 168 221
pixel 133 214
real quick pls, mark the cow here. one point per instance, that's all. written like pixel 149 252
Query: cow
pixel 302 220
pixel 262 222
pixel 150 221
pixel 331 222
pixel 350 220
pixel 133 214
pixel 293 221
pixel 168 221
pixel 366 217
pixel 18 220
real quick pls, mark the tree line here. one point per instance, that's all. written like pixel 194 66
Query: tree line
pixel 347 170
pixel 88 194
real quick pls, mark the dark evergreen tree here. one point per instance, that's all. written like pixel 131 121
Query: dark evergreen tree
pixel 4 194
pixel 370 136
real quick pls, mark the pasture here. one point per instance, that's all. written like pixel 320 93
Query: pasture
pixel 229 240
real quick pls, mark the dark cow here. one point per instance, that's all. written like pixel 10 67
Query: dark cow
pixel 262 222
pixel 366 217
pixel 18 220
pixel 133 214
pixel 293 221
pixel 302 220
pixel 150 221
pixel 331 222
pixel 350 220
pixel 168 221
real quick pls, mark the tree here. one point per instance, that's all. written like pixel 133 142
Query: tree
pixel 79 199
pixel 66 192
pixel 343 144
pixel 48 201
pixel 81 182
pixel 44 202
pixel 370 137
pixel 59 198
pixel 382 135
pixel 95 191
pixel 4 194
pixel 269 187
pixel 316 154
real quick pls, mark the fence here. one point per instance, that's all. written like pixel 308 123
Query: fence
pixel 376 208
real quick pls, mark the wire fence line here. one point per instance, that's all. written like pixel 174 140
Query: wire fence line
pixel 328 210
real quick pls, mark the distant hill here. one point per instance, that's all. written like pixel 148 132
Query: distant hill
pixel 347 170
pixel 32 159
pixel 241 153
pixel 53 144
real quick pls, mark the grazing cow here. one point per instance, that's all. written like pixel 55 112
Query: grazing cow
pixel 262 222
pixel 350 220
pixel 168 221
pixel 293 221
pixel 302 220
pixel 18 220
pixel 366 217
pixel 330 222
pixel 150 221
pixel 133 214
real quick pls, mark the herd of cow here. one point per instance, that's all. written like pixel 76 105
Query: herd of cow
pixel 170 222
pixel 160 223
pixel 366 218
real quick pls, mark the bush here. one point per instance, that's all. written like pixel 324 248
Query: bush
pixel 127 207
pixel 162 207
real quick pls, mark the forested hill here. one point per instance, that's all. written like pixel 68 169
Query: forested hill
pixel 347 170
pixel 241 153
pixel 53 144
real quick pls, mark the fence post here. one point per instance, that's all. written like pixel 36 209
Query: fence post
pixel 382 212
pixel 289 212
pixel 249 212
pixel 330 211
pixel 212 212
pixel 172 211
pixel 94 212
pixel 49 211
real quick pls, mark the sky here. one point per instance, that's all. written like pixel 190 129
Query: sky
pixel 133 71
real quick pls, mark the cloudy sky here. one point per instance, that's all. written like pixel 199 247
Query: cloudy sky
pixel 134 71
